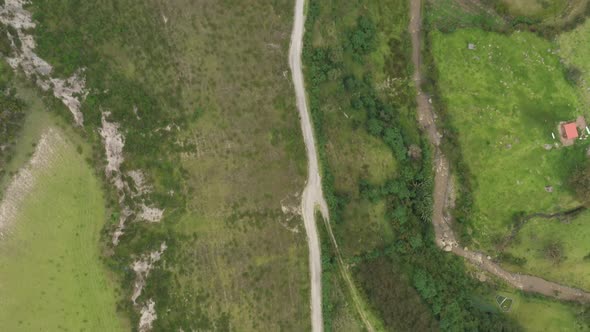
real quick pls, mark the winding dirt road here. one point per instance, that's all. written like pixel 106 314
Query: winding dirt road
pixel 312 194
pixel 441 219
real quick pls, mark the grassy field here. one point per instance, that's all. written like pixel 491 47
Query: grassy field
pixel 517 93
pixel 503 119
pixel 52 275
pixel 219 72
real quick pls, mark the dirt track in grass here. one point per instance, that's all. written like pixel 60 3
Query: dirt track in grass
pixel 441 219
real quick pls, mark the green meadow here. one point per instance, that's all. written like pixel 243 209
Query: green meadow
pixel 502 102
pixel 52 277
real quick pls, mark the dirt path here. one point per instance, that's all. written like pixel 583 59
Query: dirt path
pixel 312 194
pixel 441 219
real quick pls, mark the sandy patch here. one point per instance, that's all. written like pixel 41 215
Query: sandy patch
pixel 25 179
pixel 70 91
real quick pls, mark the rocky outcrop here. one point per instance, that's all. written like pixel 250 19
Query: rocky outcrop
pixel 70 91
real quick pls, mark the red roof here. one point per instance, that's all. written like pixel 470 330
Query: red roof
pixel 570 129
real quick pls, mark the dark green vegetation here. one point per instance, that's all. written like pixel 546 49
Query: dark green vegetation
pixel 376 173
pixel 202 95
pixel 12 117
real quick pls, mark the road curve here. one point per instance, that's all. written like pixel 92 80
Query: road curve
pixel 441 219
pixel 312 194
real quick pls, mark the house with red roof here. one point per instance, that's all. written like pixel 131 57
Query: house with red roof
pixel 569 130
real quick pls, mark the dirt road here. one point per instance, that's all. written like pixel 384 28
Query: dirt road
pixel 312 194
pixel 441 219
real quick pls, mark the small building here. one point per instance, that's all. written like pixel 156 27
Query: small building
pixel 569 130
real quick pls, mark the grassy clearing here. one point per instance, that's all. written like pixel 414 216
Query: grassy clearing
pixel 539 314
pixel 52 276
pixel 219 72
pixel 517 93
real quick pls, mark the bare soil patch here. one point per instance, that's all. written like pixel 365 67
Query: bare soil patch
pixel 25 179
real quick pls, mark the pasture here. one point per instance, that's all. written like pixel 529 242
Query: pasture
pixel 503 101
pixel 502 122
pixel 52 276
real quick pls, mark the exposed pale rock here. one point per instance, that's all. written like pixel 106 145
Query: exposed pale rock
pixel 142 268
pixel 150 214
pixel 70 91
pixel 148 316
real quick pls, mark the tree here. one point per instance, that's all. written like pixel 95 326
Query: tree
pixel 553 251
pixel 363 39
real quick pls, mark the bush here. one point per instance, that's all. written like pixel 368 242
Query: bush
pixel 511 259
pixel 554 251
pixel 363 39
